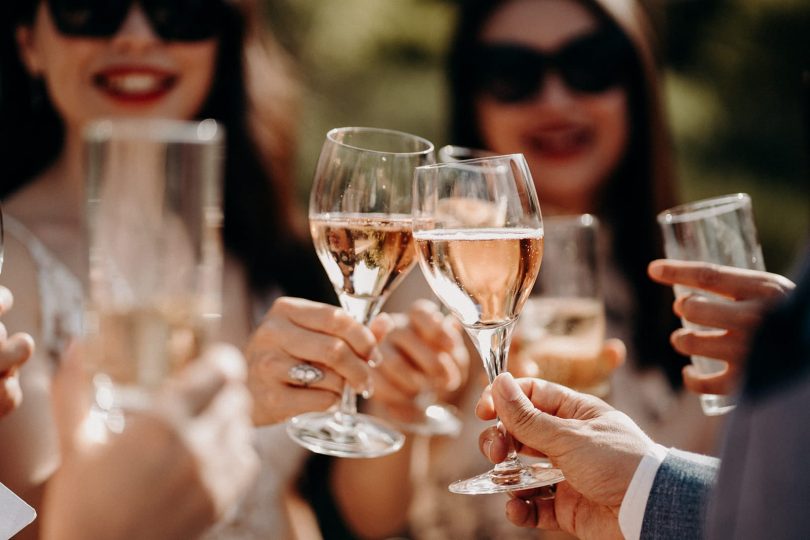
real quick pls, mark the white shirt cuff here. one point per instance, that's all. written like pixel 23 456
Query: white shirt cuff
pixel 631 512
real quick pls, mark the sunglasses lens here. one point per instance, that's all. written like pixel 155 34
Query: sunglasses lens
pixel 184 20
pixel 594 63
pixel 88 18
pixel 508 74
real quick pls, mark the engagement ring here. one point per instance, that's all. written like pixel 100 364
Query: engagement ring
pixel 305 374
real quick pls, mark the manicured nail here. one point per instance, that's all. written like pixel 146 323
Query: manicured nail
pixel 507 387
pixel 487 447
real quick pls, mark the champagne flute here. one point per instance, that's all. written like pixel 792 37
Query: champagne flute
pixel 479 240
pixel 154 212
pixel 359 215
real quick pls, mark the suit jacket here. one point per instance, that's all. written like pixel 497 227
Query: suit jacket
pixel 763 488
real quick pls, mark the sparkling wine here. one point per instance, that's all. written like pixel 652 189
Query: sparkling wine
pixel 560 340
pixel 135 350
pixel 366 255
pixel 483 275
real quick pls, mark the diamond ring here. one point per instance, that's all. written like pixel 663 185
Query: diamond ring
pixel 305 374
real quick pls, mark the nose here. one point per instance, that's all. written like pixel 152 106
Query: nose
pixel 136 33
pixel 554 92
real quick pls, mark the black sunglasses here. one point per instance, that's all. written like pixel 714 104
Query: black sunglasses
pixel 514 73
pixel 172 20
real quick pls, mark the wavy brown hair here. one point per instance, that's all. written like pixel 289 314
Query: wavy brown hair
pixel 254 95
pixel 643 181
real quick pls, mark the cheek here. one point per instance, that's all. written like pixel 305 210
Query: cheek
pixel 198 63
pixel 611 119
pixel 499 126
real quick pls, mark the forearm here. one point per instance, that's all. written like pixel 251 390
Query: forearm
pixel 373 495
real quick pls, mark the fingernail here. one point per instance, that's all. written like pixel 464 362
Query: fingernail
pixel 6 299
pixel 487 447
pixel 368 391
pixel 655 270
pixel 507 387
pixel 375 358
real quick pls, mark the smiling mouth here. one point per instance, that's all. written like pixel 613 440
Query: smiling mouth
pixel 560 143
pixel 134 85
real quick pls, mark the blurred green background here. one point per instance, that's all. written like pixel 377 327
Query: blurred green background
pixel 732 81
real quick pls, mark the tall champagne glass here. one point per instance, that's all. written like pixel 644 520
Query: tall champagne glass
pixel 154 215
pixel 479 240
pixel 360 219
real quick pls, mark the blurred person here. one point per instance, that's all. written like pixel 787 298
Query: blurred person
pixel 620 483
pixel 64 65
pixel 572 84
pixel 175 469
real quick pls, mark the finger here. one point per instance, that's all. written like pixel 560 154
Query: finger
pixel 518 410
pixel 430 324
pixel 10 393
pixel 741 315
pixel 15 351
pixel 715 344
pixel 736 283
pixel 535 512
pixel 277 403
pixel 399 372
pixel 381 326
pixel 721 383
pixel 6 300
pixel 485 408
pixel 493 444
pixel 309 346
pixel 419 353
pixel 614 353
pixel 328 320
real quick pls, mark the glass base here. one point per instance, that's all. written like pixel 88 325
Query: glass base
pixel 433 420
pixel 715 405
pixel 531 476
pixel 344 435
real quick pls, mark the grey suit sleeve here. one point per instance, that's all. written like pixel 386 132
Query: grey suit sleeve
pixel 679 495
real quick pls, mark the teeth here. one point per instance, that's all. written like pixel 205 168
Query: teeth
pixel 134 83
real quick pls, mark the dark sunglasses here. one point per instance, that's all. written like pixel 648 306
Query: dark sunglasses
pixel 514 73
pixel 172 20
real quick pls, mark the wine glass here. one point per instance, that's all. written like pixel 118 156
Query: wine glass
pixel 479 240
pixel 359 216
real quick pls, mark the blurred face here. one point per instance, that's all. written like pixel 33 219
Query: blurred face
pixel 133 73
pixel 573 139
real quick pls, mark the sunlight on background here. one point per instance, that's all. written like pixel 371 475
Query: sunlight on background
pixel 733 84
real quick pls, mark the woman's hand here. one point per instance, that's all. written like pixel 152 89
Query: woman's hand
pixel 745 296
pixel 423 352
pixel 14 352
pixel 173 471
pixel 296 332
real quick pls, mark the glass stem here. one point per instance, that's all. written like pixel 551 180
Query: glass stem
pixel 492 344
pixel 363 310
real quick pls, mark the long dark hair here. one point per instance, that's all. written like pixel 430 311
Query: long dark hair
pixel 254 95
pixel 642 182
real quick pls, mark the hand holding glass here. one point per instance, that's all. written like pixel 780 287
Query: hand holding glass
pixel 479 238
pixel 359 216
pixel 719 230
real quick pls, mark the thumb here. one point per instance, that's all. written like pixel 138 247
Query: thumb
pixel 521 418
